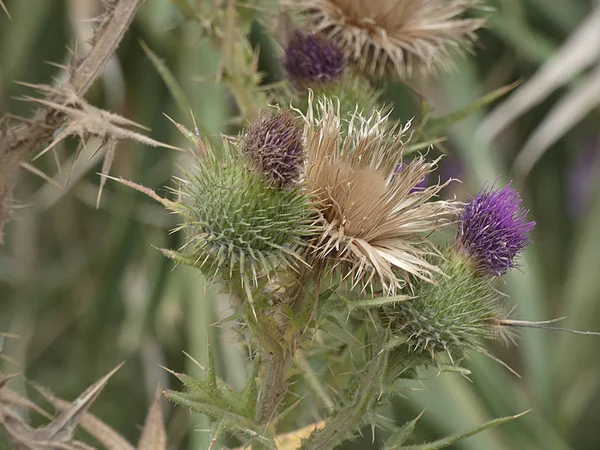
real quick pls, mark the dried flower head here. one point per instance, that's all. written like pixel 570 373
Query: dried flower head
pixel 310 60
pixel 274 147
pixel 393 36
pixel 493 230
pixel 375 220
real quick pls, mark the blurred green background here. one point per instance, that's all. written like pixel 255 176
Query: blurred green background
pixel 85 289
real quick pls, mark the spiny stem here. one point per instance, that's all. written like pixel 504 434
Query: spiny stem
pixel 347 421
pixel 274 387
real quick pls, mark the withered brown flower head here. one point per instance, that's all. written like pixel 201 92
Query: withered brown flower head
pixel 375 221
pixel 396 37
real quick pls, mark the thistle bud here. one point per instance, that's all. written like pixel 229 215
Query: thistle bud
pixel 237 223
pixel 493 230
pixel 452 317
pixel 311 60
pixel 274 147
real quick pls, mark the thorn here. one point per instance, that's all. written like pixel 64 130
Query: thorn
pixel 529 324
pixel 194 360
pixel 144 190
pixel 42 175
pixel 172 372
pixel 5 10
pixel 499 361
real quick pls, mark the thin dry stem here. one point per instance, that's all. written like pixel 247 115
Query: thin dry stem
pixel 18 142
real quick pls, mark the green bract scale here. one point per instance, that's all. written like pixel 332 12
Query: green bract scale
pixel 354 93
pixel 452 317
pixel 239 224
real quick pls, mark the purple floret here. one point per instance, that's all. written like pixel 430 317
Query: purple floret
pixel 493 229
pixel 312 59
pixel 274 146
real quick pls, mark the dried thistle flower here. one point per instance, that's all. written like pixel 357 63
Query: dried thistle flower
pixel 273 146
pixel 493 230
pixel 310 60
pixel 374 219
pixel 393 36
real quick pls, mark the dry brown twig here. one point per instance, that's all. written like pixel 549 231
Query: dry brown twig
pixel 18 142
pixel 60 431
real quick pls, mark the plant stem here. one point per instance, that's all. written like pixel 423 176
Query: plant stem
pixel 347 421
pixel 274 386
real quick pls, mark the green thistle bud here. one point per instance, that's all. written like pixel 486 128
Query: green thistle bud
pixel 238 223
pixel 452 317
pixel 274 147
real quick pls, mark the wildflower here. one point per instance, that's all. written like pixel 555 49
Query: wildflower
pixel 393 36
pixel 452 317
pixel 374 219
pixel 493 230
pixel 312 59
pixel 237 223
pixel 274 147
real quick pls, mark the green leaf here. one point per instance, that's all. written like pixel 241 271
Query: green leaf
pixel 445 442
pixel 169 79
pixel 436 126
pixel 402 434
pixel 447 368
pixel 375 302
pixel 231 419
pixel 395 341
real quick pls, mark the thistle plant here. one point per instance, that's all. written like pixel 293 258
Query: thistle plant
pixel 320 217
pixel 348 264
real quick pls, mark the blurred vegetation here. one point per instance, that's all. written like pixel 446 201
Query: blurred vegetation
pixel 85 289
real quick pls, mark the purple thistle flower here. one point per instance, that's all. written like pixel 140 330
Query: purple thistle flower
pixel 311 59
pixel 493 230
pixel 274 146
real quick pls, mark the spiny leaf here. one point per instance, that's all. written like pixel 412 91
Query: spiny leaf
pixel 154 436
pixel 169 79
pixel 235 421
pixel 402 434
pixel 445 442
pixel 375 302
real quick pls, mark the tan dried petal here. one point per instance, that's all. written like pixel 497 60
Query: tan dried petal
pixel 375 219
pixel 396 37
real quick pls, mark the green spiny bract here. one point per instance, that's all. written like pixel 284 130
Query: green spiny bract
pixel 237 223
pixel 354 93
pixel 452 317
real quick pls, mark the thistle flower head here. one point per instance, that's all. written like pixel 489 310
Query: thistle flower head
pixel 239 224
pixel 451 318
pixel 310 60
pixel 375 221
pixel 393 36
pixel 493 229
pixel 273 146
